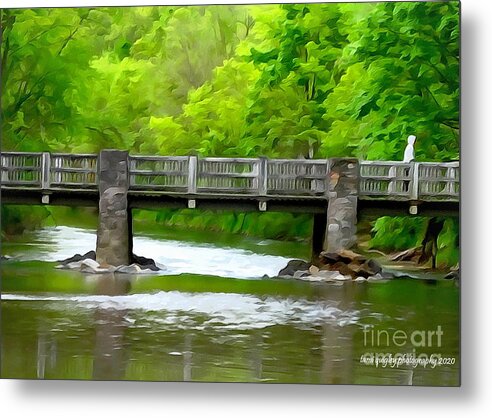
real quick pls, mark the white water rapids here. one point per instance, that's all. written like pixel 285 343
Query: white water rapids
pixel 53 244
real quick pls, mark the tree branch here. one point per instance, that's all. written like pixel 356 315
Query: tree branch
pixel 6 49
pixel 72 34
pixel 65 43
pixel 36 37
pixel 456 128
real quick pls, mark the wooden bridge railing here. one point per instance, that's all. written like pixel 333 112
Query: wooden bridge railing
pixel 48 171
pixel 409 181
pixel 70 170
pixel 21 169
pixel 159 173
pixel 378 180
pixel 242 176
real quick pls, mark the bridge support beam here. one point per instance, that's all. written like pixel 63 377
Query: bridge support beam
pixel 114 240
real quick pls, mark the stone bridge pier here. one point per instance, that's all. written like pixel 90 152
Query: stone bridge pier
pixel 114 233
pixel 336 229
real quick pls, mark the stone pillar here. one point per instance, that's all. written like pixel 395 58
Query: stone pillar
pixel 113 234
pixel 342 204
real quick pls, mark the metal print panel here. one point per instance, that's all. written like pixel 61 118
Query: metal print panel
pixel 231 193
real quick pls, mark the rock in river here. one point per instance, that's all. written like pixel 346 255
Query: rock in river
pixel 293 266
pixel 334 267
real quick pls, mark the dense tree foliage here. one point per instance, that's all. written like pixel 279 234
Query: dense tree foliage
pixel 317 80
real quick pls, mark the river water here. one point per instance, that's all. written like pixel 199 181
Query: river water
pixel 211 316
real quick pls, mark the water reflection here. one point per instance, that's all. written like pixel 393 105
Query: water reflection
pixel 187 358
pixel 111 284
pixel 109 353
pixel 336 342
pixel 257 355
pixel 46 353
pixel 110 357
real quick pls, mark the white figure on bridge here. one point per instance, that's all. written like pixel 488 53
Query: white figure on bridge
pixel 409 153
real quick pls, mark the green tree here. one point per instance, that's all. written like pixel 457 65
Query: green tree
pixel 401 77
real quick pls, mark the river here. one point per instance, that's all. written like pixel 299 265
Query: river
pixel 211 316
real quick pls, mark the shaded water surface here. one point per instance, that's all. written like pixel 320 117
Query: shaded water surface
pixel 211 317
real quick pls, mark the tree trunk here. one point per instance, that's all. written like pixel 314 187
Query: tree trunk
pixel 429 243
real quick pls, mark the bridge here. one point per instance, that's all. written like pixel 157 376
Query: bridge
pixel 334 190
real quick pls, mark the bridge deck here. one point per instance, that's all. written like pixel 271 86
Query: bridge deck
pixel 215 182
